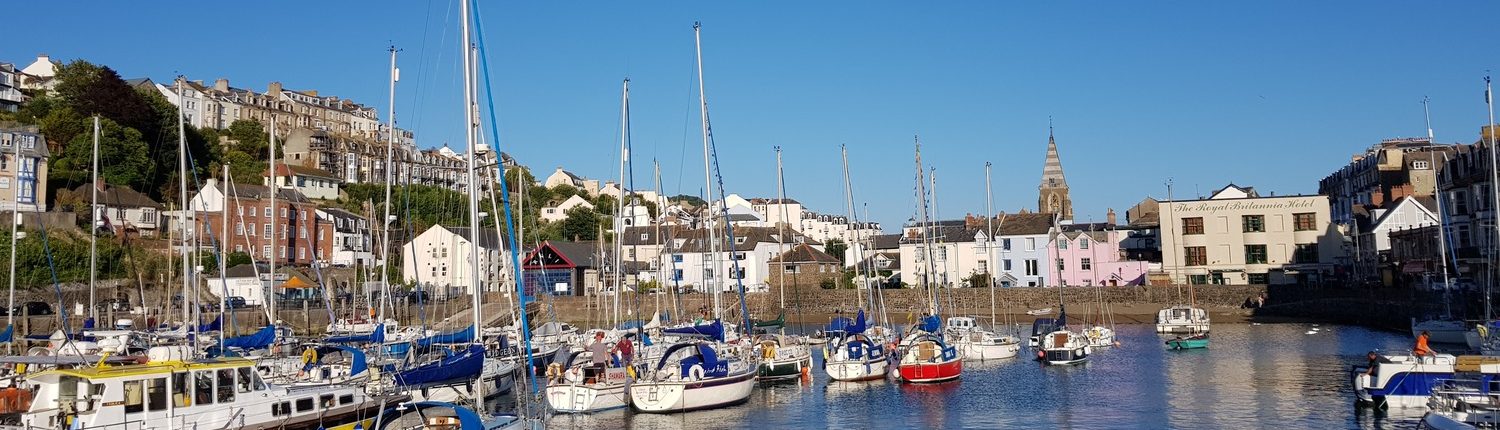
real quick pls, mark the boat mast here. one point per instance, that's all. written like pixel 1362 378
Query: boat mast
pixel 1442 237
pixel 94 227
pixel 849 212
pixel 271 295
pixel 1489 103
pixel 390 177
pixel 781 226
pixel 183 207
pixel 223 261
pixel 471 122
pixel 15 221
pixel 989 243
pixel 926 230
pixel 620 202
pixel 713 243
pixel 1171 234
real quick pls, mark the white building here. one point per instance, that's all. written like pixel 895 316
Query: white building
pixel 311 182
pixel 1018 255
pixel 438 259
pixel 40 74
pixel 560 212
pixel 1238 237
pixel 10 88
pixel 351 244
pixel 1373 238
pixel 563 177
pixel 689 262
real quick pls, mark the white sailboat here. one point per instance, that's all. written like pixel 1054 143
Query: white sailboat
pixel 973 341
pixel 1180 318
pixel 1062 346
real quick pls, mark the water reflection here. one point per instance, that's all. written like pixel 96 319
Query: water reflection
pixel 1251 377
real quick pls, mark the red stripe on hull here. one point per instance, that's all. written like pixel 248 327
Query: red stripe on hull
pixel 931 372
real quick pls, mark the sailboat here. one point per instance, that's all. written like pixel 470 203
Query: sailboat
pixel 926 356
pixel 1185 318
pixel 781 357
pixel 695 374
pixel 852 355
pixel 972 340
pixel 1062 346
pixel 1444 328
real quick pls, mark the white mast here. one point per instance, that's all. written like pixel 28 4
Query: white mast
pixel 183 206
pixel 1442 237
pixel 926 231
pixel 713 243
pixel 661 208
pixel 1428 114
pixel 471 123
pixel 620 201
pixel 390 175
pixel 15 221
pixel 1489 102
pixel 93 228
pixel 848 211
pixel 275 246
pixel 223 257
pixel 781 226
pixel 989 243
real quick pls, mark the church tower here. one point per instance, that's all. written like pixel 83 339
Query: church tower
pixel 1053 196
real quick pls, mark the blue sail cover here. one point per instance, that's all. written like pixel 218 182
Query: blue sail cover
pixel 260 339
pixel 216 325
pixel 931 324
pixel 8 335
pixel 714 330
pixel 467 419
pixel 464 335
pixel 713 367
pixel 838 324
pixel 357 361
pixel 378 336
pixel 859 324
pixel 456 368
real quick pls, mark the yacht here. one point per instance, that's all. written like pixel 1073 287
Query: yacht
pixel 1182 319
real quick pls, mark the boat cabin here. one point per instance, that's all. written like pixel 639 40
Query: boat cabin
pixel 961 324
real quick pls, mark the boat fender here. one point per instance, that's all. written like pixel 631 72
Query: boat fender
pixel 768 352
pixel 554 371
pixel 1484 332
pixel 1041 354
pixel 696 372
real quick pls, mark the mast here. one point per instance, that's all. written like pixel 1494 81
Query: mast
pixel 989 243
pixel 224 260
pixel 182 197
pixel 15 220
pixel 1442 236
pixel 93 228
pixel 1489 103
pixel 620 202
pixel 276 246
pixel 390 175
pixel 1171 275
pixel 781 226
pixel 713 243
pixel 1428 114
pixel 926 230
pixel 849 211
pixel 471 122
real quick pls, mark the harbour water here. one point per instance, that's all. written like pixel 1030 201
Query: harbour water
pixel 1253 376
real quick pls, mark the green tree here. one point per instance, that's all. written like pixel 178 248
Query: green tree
pixel 836 248
pixel 124 157
pixel 582 224
pixel 606 205
pixel 561 193
pixel 684 198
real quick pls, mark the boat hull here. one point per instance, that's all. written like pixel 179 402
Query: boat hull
pixel 1180 344
pixel 684 396
pixel 857 370
pixel 1442 331
pixel 1400 381
pixel 931 372
pixel 783 369
pixel 581 398
pixel 988 350
pixel 1181 327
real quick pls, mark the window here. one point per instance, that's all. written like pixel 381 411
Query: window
pixel 265 251
pixel 984 266
pixel 245 381
pixel 1306 253
pixel 1061 266
pixel 739 273
pixel 1005 264
pixel 1420 165
pixel 301 253
pixel 1304 221
pixel 226 385
pixel 1195 255
pixel 1005 244
pixel 281 250
pixel 301 232
pixel 283 231
pixel 266 231
pixel 283 212
pixel 304 405
pixel 1083 242
pixel 708 273
pixel 346 399
pixel 677 274
pixel 1030 244
pixel 1192 225
pixel 156 394
pixel 1259 278
pixel 1198 279
pixel 239 229
pixel 1255 254
pixel 240 210
pixel 645 236
pixel 268 211
pixel 1086 264
pixel 676 258
pixel 1062 243
pixel 1031 267
pixel 135 397
pixel 1254 223
pixel 251 231
pixel 203 387
pixel 326 401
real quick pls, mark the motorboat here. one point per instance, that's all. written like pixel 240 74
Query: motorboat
pixel 1197 341
pixel 1063 347
pixel 1182 319
pixel 1470 400
pixel 693 376
pixel 781 357
pixel 977 343
pixel 1400 380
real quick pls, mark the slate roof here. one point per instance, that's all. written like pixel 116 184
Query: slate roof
pixel 804 254
pixel 487 237
pixel 118 196
pixel 259 192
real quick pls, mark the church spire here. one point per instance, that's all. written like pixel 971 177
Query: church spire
pixel 1053 191
pixel 1052 171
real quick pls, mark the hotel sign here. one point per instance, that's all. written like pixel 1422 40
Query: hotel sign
pixel 1213 207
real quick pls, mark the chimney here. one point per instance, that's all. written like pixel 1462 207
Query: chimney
pixel 274 89
pixel 221 84
pixel 1109 217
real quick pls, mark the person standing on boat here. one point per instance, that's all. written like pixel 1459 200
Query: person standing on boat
pixel 1421 350
pixel 599 356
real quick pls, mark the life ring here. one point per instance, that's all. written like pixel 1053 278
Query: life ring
pixel 696 372
pixel 309 356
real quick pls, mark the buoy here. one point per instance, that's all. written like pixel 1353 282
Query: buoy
pixel 1117 343
pixel 1041 354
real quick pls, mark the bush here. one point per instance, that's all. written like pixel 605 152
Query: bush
pixel 828 284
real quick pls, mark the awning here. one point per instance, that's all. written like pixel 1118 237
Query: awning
pixel 297 282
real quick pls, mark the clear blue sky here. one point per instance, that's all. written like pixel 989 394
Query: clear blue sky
pixel 1272 94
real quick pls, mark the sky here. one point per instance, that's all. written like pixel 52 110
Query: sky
pixel 1270 94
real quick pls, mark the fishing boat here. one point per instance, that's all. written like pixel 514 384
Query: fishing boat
pixel 1182 319
pixel 692 376
pixel 570 390
pixel 977 343
pixel 781 357
pixel 1196 341
pixel 1400 380
pixel 927 358
pixel 169 393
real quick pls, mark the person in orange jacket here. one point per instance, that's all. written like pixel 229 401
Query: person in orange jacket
pixel 1421 350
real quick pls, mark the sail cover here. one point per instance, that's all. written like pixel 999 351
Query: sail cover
pixel 931 323
pixel 377 336
pixel 216 325
pixel 260 339
pixel 859 324
pixel 451 369
pixel 464 335
pixel 713 330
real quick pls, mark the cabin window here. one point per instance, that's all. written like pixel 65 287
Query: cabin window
pixel 346 399
pixel 226 385
pixel 245 380
pixel 180 390
pixel 304 405
pixel 327 401
pixel 135 398
pixel 279 409
pixel 203 387
pixel 156 394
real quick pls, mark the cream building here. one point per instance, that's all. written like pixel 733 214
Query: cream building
pixel 1238 237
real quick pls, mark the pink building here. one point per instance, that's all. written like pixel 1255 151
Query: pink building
pixel 1090 254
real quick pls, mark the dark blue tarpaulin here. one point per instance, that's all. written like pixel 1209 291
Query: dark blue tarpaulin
pixel 260 339
pixel 464 335
pixel 452 369
pixel 216 325
pixel 713 330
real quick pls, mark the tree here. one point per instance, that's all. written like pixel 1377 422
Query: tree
pixel 836 248
pixel 519 178
pixel 606 204
pixel 684 198
pixel 124 157
pixel 560 193
pixel 238 258
pixel 582 224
